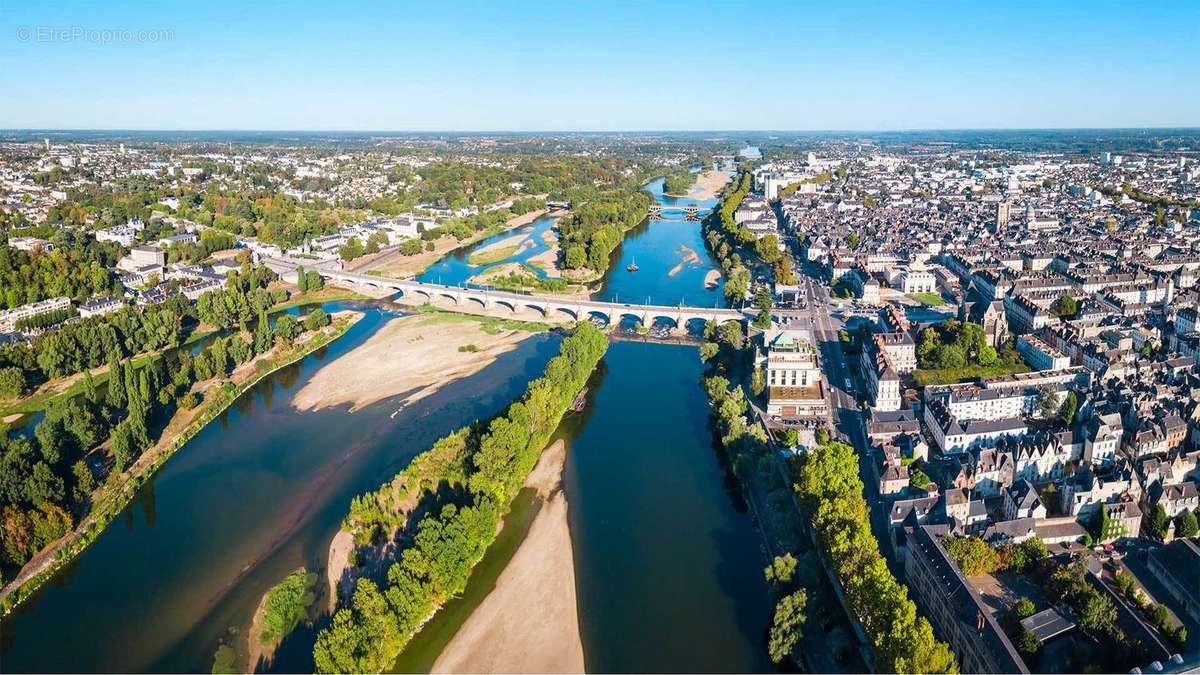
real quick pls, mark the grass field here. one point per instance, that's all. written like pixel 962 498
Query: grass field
pixel 928 299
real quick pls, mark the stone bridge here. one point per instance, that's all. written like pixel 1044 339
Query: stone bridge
pixel 548 306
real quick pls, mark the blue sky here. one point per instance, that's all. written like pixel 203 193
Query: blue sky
pixel 564 65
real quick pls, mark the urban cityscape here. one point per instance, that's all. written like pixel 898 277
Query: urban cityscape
pixel 283 390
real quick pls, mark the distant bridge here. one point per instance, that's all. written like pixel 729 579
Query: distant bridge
pixel 547 306
pixel 685 212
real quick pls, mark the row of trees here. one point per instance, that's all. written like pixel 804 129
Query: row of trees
pixel 725 238
pixel 94 341
pixel 732 244
pixel 829 486
pixel 470 477
pixel 355 249
pixel 90 343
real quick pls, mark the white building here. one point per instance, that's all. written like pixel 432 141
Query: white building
pixel 793 374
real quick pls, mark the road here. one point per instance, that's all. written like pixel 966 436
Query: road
pixel 845 418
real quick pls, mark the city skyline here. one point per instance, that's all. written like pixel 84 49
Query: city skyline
pixel 549 68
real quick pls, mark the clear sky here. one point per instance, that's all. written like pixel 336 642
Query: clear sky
pixel 602 65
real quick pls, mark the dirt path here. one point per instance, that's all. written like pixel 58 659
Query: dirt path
pixel 416 354
pixel 529 623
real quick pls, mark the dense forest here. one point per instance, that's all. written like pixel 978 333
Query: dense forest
pixel 455 493
pixel 596 226
pixel 679 183
pixel 77 267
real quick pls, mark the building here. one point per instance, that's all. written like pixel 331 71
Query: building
pixel 793 374
pixel 916 280
pixel 99 306
pixel 1040 355
pixel 10 317
pixel 1001 216
pixel 1177 567
pixel 883 382
pixel 954 607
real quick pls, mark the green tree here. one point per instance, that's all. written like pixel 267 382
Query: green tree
pixel 1065 307
pixel 1186 525
pixel 708 350
pixel 781 571
pixel 763 302
pixel 758 381
pixel 786 625
pixel 1028 644
pixel 973 555
pixel 313 281
pixel 1070 406
pixel 286 604
pixel 1024 608
pixel 1157 521
pixel 287 328
pixel 732 335
pixel 12 382
pixel 316 319
pixel 301 279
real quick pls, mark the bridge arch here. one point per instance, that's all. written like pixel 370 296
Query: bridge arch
pixel 670 320
pixel 560 309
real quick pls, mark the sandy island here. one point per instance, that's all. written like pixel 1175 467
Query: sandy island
pixel 417 354
pixel 690 257
pixel 709 184
pixel 529 623
pixel 392 264
pixel 499 249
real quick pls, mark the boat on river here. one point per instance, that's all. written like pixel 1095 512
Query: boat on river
pixel 632 266
pixel 580 400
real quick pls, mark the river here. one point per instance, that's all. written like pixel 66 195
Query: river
pixel 668 565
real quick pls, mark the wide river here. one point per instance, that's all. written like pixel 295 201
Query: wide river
pixel 668 564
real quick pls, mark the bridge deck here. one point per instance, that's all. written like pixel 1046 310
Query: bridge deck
pixel 547 302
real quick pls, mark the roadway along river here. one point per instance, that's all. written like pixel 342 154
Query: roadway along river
pixel 668 565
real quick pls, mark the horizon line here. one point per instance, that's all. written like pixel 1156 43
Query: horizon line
pixel 585 131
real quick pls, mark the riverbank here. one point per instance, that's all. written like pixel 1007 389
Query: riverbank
pixel 402 267
pixel 412 355
pixel 529 623
pixel 111 500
